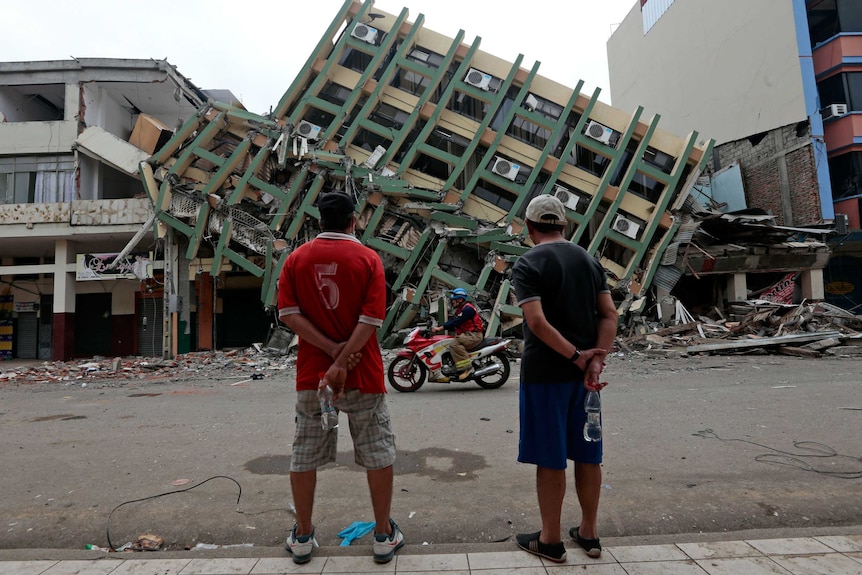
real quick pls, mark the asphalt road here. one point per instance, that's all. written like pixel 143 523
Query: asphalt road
pixel 692 445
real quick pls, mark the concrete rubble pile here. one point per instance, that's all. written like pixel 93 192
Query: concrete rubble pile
pixel 758 326
pixel 232 367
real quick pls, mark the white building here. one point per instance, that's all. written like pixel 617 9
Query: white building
pixel 69 188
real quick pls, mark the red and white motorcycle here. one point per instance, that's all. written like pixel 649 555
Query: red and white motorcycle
pixel 428 356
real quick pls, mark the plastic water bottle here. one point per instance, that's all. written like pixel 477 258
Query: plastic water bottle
pixel 328 415
pixel 593 408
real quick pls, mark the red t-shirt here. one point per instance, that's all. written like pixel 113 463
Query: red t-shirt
pixel 335 282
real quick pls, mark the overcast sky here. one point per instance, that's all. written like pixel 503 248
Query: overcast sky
pixel 255 47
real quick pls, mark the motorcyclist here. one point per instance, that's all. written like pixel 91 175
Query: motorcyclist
pixel 468 331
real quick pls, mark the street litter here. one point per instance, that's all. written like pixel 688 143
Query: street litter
pixel 354 531
pixel 148 542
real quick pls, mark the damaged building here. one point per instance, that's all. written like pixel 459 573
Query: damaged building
pixel 774 82
pixel 442 145
pixel 72 136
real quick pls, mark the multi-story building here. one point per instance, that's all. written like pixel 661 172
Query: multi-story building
pixel 442 144
pixel 777 84
pixel 70 192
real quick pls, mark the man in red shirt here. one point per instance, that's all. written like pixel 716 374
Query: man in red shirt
pixel 332 293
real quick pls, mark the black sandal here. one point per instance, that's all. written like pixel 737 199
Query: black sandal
pixel 592 547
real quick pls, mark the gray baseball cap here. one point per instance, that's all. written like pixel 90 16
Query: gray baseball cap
pixel 546 209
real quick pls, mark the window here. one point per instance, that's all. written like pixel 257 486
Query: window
pixel 448 142
pixel 832 17
pixel 410 82
pixel 356 60
pixel 37 180
pixel 432 166
pixel 845 172
pixel 468 106
pixel 495 195
pixel 646 187
pixel 334 93
pixel 425 57
pixel 658 159
pixel 529 133
pixel 589 161
pixel 388 116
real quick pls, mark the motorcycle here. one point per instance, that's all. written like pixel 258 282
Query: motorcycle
pixel 428 356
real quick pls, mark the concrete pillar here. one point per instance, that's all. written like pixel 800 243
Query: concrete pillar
pixel 63 335
pixel 737 287
pixel 812 284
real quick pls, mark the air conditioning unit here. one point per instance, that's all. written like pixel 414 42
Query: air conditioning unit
pixel 308 130
pixel 365 33
pixel 569 199
pixel 842 223
pixel 531 102
pixel 599 132
pixel 505 168
pixel 479 79
pixel 626 227
pixel 834 111
pixel 374 157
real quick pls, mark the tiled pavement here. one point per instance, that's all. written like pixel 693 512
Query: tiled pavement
pixel 822 555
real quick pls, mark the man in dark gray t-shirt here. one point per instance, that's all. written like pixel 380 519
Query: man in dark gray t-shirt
pixel 570 324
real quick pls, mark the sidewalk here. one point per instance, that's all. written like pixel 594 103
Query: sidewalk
pixel 820 555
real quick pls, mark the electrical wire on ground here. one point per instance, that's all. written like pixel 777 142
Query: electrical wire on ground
pixel 108 530
pixel 778 457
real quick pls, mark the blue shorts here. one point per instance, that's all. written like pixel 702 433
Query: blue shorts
pixel 552 425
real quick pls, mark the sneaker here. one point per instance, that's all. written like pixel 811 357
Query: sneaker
pixel 592 547
pixel 466 373
pixel 530 543
pixel 300 546
pixel 385 546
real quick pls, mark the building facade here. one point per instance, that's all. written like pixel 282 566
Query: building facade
pixel 71 199
pixel 774 83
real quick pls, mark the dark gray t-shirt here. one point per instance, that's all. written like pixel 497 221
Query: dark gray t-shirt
pixel 567 280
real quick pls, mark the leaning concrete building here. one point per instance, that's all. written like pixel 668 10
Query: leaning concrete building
pixel 443 146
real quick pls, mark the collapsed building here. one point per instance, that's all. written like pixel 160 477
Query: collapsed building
pixel 442 145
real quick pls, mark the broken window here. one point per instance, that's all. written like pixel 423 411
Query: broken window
pixel 368 140
pixel 42 103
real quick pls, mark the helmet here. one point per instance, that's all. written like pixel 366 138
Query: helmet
pixel 458 293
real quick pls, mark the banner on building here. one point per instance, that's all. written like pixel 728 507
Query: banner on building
pixel 90 267
pixel 782 292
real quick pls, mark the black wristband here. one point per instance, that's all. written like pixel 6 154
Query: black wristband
pixel 575 355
